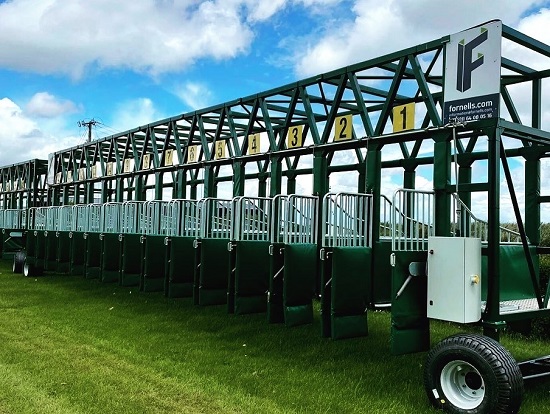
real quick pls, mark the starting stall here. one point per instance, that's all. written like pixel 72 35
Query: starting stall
pixel 13 223
pixel 183 230
pixel 210 285
pixel 293 259
pixel 155 230
pixel 346 257
pixel 249 255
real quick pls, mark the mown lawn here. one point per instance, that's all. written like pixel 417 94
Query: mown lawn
pixel 70 345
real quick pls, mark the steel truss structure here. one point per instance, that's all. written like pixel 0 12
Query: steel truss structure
pixel 351 120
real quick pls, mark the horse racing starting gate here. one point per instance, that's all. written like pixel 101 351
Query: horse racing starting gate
pixel 144 208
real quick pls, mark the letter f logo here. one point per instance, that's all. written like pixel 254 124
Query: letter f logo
pixel 465 65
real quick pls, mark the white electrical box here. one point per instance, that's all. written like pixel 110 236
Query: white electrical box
pixel 454 279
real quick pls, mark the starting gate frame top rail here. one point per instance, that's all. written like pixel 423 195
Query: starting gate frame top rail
pixel 314 103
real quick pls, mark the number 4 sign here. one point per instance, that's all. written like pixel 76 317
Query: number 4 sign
pixel 403 117
pixel 254 144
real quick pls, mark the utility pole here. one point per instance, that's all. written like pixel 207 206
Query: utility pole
pixel 89 124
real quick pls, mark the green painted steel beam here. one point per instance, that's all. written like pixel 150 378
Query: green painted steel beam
pixel 524 40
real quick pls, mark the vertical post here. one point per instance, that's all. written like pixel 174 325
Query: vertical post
pixel 532 194
pixel 238 178
pixel 320 183
pixel 65 195
pixel 373 185
pixel 140 188
pixel 179 190
pixel 373 180
pixel 105 184
pixel 464 177
pixel 56 195
pixel 262 185
pixel 193 192
pixel 291 183
pixel 362 177
pixel 492 323
pixel 276 176
pixel 442 177
pixel 409 181
pixel 209 182
pixel 119 195
pixel 320 173
pixel 159 185
pixel 89 192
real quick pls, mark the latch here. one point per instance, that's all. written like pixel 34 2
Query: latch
pixel 415 269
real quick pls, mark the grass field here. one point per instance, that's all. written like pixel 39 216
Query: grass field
pixel 70 345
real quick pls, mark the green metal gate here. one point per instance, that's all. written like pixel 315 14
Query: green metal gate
pixel 346 256
pixel 131 237
pixel 155 250
pixel 92 236
pixel 293 259
pixel 248 274
pixel 215 221
pixel 183 229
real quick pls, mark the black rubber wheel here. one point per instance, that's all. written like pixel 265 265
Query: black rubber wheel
pixel 473 374
pixel 28 269
pixel 31 270
pixel 18 261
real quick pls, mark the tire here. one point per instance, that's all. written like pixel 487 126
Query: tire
pixel 31 270
pixel 18 261
pixel 473 374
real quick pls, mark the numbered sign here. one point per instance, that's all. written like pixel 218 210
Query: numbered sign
pixel 127 165
pixel 8 186
pixel 169 157
pixel 220 150
pixel 192 153
pixel 58 178
pixel 22 184
pixel 94 171
pixel 82 174
pixel 69 176
pixel 146 162
pixel 15 185
pixel 254 144
pixel 343 128
pixel 110 168
pixel 403 117
pixel 294 137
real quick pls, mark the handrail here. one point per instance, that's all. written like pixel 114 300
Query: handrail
pixel 468 225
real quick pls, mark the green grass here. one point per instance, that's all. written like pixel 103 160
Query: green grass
pixel 70 345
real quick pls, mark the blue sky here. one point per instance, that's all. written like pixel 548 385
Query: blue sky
pixel 127 63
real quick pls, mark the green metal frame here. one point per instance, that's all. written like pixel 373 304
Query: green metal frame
pixel 128 165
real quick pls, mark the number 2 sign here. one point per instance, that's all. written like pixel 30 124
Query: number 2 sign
pixel 343 128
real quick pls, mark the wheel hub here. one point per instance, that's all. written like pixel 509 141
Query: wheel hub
pixel 463 385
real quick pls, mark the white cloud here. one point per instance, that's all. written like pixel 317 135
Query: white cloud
pixel 147 36
pixel 130 114
pixel 45 105
pixel 23 138
pixel 195 95
pixel 377 28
